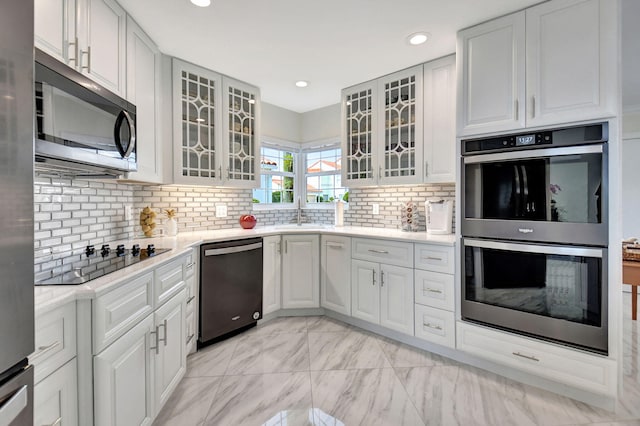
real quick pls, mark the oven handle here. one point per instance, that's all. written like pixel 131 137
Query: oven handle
pixel 532 248
pixel 534 153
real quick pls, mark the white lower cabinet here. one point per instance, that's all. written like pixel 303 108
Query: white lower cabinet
pixel 191 280
pixel 335 274
pixel 301 271
pixel 585 371
pixel 56 397
pixel 435 325
pixel 382 294
pixel 271 274
pixel 122 378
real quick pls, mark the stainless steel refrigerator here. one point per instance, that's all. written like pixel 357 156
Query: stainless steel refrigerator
pixel 16 212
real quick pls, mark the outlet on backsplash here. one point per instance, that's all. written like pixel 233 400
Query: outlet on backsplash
pixel 221 210
pixel 376 208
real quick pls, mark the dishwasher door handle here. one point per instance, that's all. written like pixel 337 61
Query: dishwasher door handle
pixel 235 249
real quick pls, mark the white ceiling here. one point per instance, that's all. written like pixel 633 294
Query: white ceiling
pixel 331 43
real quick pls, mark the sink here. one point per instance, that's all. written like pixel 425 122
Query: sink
pixel 302 226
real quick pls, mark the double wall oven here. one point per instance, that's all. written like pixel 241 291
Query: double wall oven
pixel 535 234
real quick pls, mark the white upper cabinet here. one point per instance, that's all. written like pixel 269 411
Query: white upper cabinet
pixel 143 90
pixel 216 128
pixel 440 120
pixel 55 28
pixel 569 57
pixel 563 47
pixel 491 76
pixel 241 105
pixel 382 130
pixel 88 35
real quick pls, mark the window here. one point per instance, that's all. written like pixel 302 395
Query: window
pixel 322 176
pixel 277 176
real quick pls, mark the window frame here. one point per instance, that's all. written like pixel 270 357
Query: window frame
pixel 282 145
pixel 326 145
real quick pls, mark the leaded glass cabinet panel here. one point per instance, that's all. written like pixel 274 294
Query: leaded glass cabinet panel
pixel 242 140
pixel 401 138
pixel 197 157
pixel 358 130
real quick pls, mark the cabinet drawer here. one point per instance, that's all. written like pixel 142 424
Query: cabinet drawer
pixel 55 338
pixel 434 289
pixel 435 325
pixel 119 310
pixel 190 265
pixel 389 252
pixel 55 399
pixel 435 258
pixel 564 365
pixel 169 280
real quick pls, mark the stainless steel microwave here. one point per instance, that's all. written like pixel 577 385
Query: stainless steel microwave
pixel 82 129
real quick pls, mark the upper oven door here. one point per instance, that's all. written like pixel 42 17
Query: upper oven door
pixel 545 195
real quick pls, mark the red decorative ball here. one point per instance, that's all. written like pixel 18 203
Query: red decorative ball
pixel 248 221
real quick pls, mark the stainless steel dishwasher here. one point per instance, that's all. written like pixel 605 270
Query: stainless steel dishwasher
pixel 230 287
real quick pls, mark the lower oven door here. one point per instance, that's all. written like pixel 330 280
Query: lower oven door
pixel 553 292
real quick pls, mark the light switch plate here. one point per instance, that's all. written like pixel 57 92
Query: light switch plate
pixel 221 210
pixel 376 208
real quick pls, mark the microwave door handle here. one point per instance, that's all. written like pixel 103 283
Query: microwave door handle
pixel 518 195
pixel 122 117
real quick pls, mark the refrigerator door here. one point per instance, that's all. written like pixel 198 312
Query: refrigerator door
pixel 16 183
pixel 16 400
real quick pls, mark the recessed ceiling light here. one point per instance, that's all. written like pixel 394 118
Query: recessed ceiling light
pixel 302 83
pixel 201 3
pixel 418 38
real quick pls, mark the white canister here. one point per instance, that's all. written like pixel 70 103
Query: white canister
pixel 439 216
pixel 339 213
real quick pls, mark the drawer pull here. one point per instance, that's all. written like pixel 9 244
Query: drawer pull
pixel 435 327
pixel 335 245
pixel 190 265
pixel 532 358
pixel 378 251
pixel 44 349
pixel 439 259
pixel 433 290
pixel 189 300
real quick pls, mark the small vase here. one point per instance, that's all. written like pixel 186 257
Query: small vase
pixel 171 227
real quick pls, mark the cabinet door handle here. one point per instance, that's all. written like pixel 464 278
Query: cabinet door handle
pixel 88 53
pixel 44 349
pixel 219 172
pixel 228 174
pixel 533 106
pixel 378 251
pixel 426 168
pixel 190 299
pixel 75 51
pixel 381 278
pixel 157 346
pixel 279 248
pixel 164 326
pixel 380 172
pixel 532 358
pixel 439 259
pixel 286 247
pixel 517 110
pixel 430 290
pixel 433 326
pixel 374 277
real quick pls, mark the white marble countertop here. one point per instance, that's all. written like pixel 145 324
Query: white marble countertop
pixel 51 296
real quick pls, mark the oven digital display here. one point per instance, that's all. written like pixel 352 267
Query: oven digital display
pixel 525 140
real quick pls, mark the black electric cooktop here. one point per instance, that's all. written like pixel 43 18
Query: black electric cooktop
pixel 91 264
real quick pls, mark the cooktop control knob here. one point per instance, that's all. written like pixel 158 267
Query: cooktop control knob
pixel 151 250
pixel 135 250
pixel 105 250
pixel 120 250
pixel 90 250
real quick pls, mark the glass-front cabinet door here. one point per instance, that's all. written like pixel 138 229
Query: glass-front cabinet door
pixel 241 104
pixel 359 125
pixel 216 128
pixel 197 158
pixel 400 139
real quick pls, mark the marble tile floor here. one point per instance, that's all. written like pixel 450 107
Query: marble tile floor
pixel 318 371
